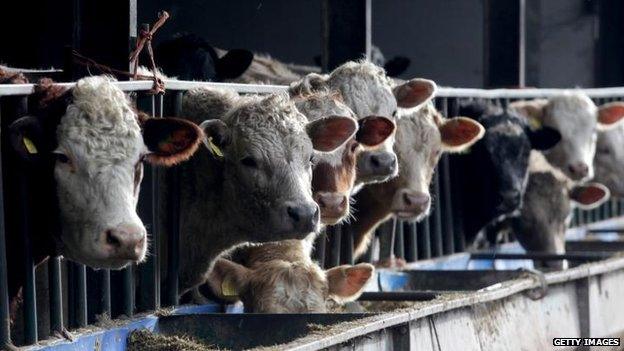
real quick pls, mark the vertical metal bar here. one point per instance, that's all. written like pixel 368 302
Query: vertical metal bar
pixel 334 234
pixel 81 294
pixel 424 239
pixel 56 297
pixel 399 240
pixel 386 239
pixel 436 218
pixel 444 198
pixel 173 241
pixel 105 292
pixel 411 241
pixel 28 267
pixel 5 327
pixel 346 246
pixel 127 286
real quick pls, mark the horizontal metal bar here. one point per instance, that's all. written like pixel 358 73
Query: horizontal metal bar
pixel 400 295
pixel 607 230
pixel 171 84
pixel 572 256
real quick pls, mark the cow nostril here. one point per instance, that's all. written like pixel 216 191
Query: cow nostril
pixel 294 213
pixel 375 161
pixel 112 239
pixel 407 199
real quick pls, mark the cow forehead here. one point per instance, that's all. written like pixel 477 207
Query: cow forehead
pixel 323 104
pixel 365 88
pixel 572 111
pixel 417 130
pixel 100 122
pixel 273 113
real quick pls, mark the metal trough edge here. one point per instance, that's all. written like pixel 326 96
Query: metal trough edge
pixel 507 289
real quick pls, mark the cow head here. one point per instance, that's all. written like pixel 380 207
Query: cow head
pixel 267 148
pixel 577 119
pixel 334 173
pixel 609 160
pixel 421 138
pixel 279 286
pixel 502 155
pixel 369 92
pixel 95 147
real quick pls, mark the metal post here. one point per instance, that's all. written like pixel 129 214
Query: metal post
pixel 127 286
pixel 346 31
pixel 436 217
pixel 5 328
pixel 346 246
pixel 56 297
pixel 411 241
pixel 319 248
pixel 399 240
pixel 80 285
pixel 334 233
pixel 424 239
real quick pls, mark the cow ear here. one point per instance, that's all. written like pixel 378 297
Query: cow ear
pixel 374 130
pixel 228 279
pixel 233 64
pixel 170 140
pixel 26 137
pixel 610 115
pixel 590 195
pixel 414 92
pixel 459 133
pixel 543 138
pixel 217 136
pixel 346 283
pixel 396 66
pixel 307 85
pixel 329 133
pixel 532 110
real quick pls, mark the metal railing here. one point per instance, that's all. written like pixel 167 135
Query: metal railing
pixel 78 296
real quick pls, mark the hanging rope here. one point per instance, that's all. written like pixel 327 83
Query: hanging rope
pixel 145 39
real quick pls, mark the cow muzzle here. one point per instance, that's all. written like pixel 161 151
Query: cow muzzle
pixel 299 218
pixel 126 242
pixel 334 206
pixel 377 165
pixel 410 204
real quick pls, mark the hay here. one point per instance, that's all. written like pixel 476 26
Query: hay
pixel 144 340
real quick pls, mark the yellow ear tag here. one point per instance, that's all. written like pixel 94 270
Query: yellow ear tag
pixel 535 123
pixel 30 146
pixel 214 148
pixel 228 288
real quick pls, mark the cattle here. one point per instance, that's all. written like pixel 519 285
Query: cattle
pixel 609 159
pixel 252 183
pixel 334 173
pixel 280 277
pixel 80 152
pixel 492 174
pixel 421 137
pixel 367 90
pixel 189 57
pixel 577 118
pixel 548 204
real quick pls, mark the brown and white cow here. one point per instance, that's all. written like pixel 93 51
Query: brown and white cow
pixel 574 115
pixel 333 175
pixel 280 277
pixel 421 137
pixel 255 183
pixel 367 90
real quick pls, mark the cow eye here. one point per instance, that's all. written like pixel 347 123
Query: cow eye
pixel 249 162
pixel 62 158
pixel 604 151
pixel 354 147
pixel 394 114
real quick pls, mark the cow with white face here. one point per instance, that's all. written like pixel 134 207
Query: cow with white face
pixel 577 119
pixel 421 137
pixel 94 143
pixel 609 159
pixel 252 182
pixel 334 173
pixel 367 90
